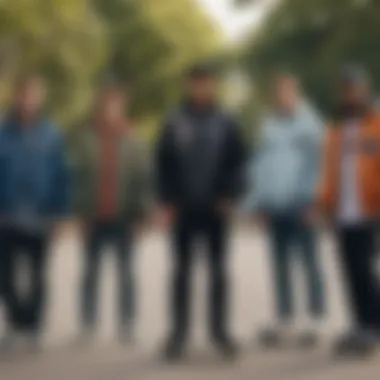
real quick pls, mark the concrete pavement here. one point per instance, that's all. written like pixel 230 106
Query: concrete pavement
pixel 251 302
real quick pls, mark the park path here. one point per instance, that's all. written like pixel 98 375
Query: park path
pixel 250 308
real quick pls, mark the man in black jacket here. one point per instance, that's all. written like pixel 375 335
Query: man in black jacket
pixel 200 157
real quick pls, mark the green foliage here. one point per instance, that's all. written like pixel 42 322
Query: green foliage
pixel 151 44
pixel 143 43
pixel 62 38
pixel 314 38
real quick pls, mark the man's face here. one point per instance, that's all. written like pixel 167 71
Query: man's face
pixel 30 97
pixel 286 93
pixel 111 105
pixel 355 93
pixel 202 89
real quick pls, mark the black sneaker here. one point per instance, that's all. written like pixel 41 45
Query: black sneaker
pixel 359 345
pixel 308 340
pixel 270 338
pixel 227 348
pixel 174 350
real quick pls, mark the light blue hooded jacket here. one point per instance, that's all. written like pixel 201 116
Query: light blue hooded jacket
pixel 284 169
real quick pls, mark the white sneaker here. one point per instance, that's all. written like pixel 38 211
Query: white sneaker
pixel 356 343
pixel 309 334
pixel 278 334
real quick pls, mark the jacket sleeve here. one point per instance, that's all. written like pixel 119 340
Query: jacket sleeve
pixel 255 173
pixel 78 170
pixel 233 168
pixel 325 194
pixel 3 171
pixel 164 168
pixel 60 186
pixel 312 161
pixel 141 182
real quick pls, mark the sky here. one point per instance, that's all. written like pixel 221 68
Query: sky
pixel 234 22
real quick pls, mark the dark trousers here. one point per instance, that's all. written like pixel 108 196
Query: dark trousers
pixel 119 236
pixel 287 233
pixel 23 311
pixel 358 254
pixel 212 229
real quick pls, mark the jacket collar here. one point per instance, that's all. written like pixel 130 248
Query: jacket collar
pixel 189 106
pixel 347 112
pixel 13 123
pixel 301 108
pixel 119 128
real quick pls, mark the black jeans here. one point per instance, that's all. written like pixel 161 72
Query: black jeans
pixel 23 313
pixel 212 229
pixel 358 253
pixel 120 237
pixel 286 233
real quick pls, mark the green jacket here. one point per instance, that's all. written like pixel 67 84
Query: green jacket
pixel 134 177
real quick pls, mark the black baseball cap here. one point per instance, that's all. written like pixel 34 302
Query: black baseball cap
pixel 352 75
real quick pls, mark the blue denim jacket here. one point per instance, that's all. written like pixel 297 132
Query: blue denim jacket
pixel 33 171
pixel 284 170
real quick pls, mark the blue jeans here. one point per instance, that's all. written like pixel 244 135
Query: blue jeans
pixel 287 232
pixel 116 234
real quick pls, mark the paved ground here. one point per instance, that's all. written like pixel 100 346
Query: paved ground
pixel 251 308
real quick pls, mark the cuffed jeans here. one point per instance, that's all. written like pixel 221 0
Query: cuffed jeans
pixel 286 233
pixel 119 236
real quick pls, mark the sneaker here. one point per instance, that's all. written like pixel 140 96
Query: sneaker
pixel 276 336
pixel 227 348
pixel 174 350
pixel 356 344
pixel 269 338
pixel 309 335
pixel 308 339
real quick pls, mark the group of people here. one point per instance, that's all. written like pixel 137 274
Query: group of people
pixel 299 173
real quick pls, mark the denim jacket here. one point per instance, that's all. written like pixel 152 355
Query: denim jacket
pixel 283 172
pixel 33 170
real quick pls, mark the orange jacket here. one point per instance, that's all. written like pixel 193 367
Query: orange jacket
pixel 368 167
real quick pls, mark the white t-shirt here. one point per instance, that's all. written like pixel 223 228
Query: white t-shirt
pixel 350 210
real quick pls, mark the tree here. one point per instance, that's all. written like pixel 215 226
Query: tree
pixel 314 39
pixel 62 38
pixel 145 43
pixel 151 43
